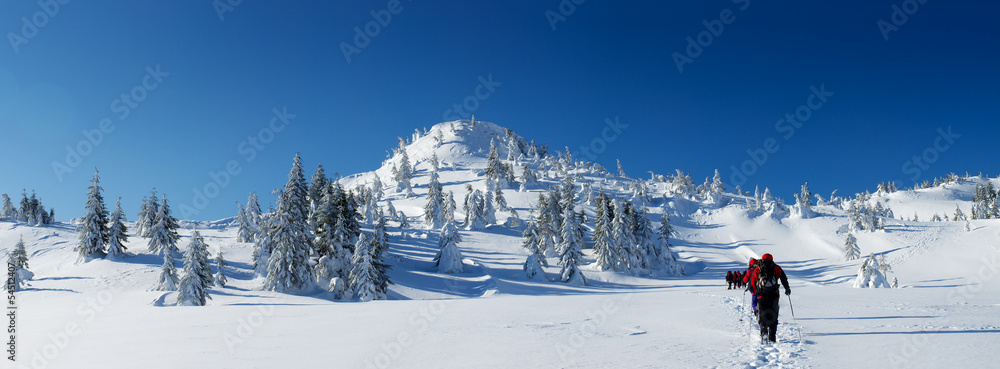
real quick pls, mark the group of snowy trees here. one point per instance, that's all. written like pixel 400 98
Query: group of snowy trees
pixel 624 237
pixel 100 233
pixel 314 236
pixel 30 211
pixel 986 202
pixel 862 216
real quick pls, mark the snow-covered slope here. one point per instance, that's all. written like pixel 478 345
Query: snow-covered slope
pixel 105 314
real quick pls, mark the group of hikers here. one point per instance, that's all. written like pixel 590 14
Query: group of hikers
pixel 762 279
pixel 735 279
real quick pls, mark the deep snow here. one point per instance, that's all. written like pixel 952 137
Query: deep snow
pixel 105 314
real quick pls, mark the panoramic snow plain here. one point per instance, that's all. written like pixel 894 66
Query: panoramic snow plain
pixel 105 313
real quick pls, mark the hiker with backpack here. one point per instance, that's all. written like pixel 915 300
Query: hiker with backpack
pixel 764 282
pixel 729 280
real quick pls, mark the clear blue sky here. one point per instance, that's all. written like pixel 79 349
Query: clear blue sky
pixel 219 81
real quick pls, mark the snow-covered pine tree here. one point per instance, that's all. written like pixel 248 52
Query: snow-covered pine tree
pixel 379 250
pixel 264 243
pixel 449 257
pixel 168 274
pixel 605 245
pixel 500 200
pixel 622 230
pixel 869 276
pixel 718 187
pixel 163 235
pixel 804 199
pixel 288 266
pixel 93 226
pixel 377 187
pixel 197 274
pixel 489 212
pixel 17 280
pixel 649 251
pixel 571 251
pixel 468 203
pixel 318 184
pixel 968 226
pixel 253 216
pixel 543 221
pixel 851 249
pixel 959 215
pixel 220 265
pixel 477 212
pixel 380 237
pixel 117 231
pixel 434 210
pixel 24 210
pixel 404 172
pixel 8 213
pixel 19 257
pixel 450 206
pixel 147 215
pixel 243 232
pixel 363 282
pixel 621 170
pixel 665 257
pixel 494 170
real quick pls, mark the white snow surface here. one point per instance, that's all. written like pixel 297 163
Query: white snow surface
pixel 105 313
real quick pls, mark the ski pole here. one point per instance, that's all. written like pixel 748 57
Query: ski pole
pixel 792 308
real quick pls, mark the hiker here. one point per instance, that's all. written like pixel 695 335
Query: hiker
pixel 764 282
pixel 738 279
pixel 749 286
pixel 729 280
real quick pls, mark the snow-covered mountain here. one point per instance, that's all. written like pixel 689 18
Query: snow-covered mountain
pixel 106 313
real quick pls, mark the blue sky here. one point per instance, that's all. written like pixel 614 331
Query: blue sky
pixel 207 82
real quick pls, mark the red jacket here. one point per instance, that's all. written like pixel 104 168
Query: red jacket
pixel 750 277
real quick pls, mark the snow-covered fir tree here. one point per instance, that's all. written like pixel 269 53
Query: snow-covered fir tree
pixel 571 251
pixel 500 200
pixel 533 264
pixel 403 173
pixel 605 245
pixel 377 187
pixel 623 232
pixel 450 206
pixel 959 215
pixel 197 278
pixel 7 212
pixel 851 249
pixel 380 236
pixel 19 256
pixel 645 237
pixel 489 212
pixel 264 244
pixel 314 193
pixel 147 215
pixel 24 210
pixel 220 266
pixel 253 215
pixel 528 177
pixel 163 235
pixel 243 232
pixel 621 170
pixel 495 173
pixel 870 275
pixel 168 274
pixel 449 257
pixel 288 266
pixel 804 201
pixel 363 282
pixel 117 231
pixel 543 220
pixel 476 216
pixel 93 226
pixel 435 209
pixel 17 277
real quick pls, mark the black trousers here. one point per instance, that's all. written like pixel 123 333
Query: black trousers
pixel 767 317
